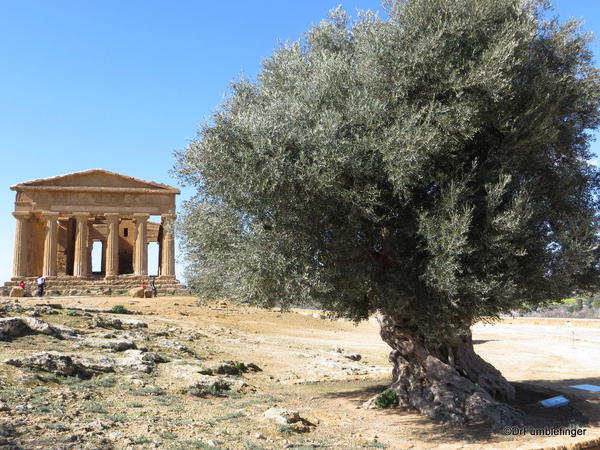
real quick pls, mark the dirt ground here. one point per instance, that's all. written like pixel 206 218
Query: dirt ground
pixel 306 366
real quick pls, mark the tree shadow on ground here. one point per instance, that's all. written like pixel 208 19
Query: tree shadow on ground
pixel 422 428
pixel 582 411
pixel 482 341
pixel 585 402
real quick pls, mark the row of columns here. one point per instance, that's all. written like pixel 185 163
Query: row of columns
pixel 80 261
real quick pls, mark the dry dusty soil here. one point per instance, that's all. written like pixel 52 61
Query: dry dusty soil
pixel 182 374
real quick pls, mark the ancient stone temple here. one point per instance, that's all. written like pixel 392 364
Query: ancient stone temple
pixel 60 219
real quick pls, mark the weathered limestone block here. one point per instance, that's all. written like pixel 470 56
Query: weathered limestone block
pixel 12 327
pixel 117 323
pixel 148 293
pixel 17 292
pixel 282 416
pixel 133 323
pixel 137 292
pixel 61 364
pixel 138 360
pixel 117 345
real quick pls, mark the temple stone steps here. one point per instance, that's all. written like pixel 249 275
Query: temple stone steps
pixel 98 285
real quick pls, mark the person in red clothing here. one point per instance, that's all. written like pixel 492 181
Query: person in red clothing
pixel 22 285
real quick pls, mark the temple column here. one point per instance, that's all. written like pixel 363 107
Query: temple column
pixel 112 245
pixel 20 259
pixel 80 260
pixel 140 253
pixel 167 263
pixel 49 267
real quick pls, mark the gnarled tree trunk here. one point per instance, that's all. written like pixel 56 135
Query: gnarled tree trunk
pixel 449 383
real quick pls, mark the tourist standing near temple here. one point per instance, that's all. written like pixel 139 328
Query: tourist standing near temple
pixel 41 284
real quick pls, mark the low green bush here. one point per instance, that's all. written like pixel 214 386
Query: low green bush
pixel 216 389
pixel 387 399
pixel 119 309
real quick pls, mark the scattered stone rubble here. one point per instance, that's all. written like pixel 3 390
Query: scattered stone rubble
pixel 158 361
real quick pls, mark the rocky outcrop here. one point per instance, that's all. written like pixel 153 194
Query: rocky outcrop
pixel 117 323
pixel 117 345
pixel 138 360
pixel 353 356
pixel 207 385
pixel 282 416
pixel 64 365
pixel 289 418
pixel 133 323
pixel 68 365
pixel 13 327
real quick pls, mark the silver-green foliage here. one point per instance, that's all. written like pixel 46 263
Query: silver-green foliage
pixel 432 165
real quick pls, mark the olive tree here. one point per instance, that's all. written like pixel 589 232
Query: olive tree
pixel 430 167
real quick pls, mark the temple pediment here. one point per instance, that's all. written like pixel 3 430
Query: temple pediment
pixel 94 179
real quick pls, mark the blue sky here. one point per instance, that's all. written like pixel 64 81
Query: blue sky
pixel 120 85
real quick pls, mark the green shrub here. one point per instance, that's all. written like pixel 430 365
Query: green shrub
pixel 141 440
pixel 72 312
pixel 118 417
pixel 235 368
pixel 106 381
pixel 252 446
pixel 285 429
pixel 57 427
pixel 152 390
pixel 186 445
pixel 167 435
pixel 387 399
pixel 216 389
pixel 231 416
pixel 167 400
pixel 374 444
pixel 596 303
pixel 135 405
pixel 119 309
pixel 95 407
